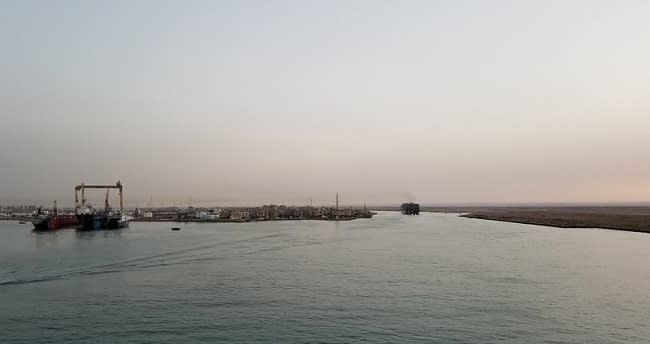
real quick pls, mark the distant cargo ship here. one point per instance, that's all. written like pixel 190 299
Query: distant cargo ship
pixel 410 208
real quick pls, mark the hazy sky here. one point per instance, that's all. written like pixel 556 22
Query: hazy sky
pixel 246 102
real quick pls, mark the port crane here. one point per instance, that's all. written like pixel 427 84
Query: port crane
pixel 83 188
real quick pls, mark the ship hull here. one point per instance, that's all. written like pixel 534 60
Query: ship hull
pixel 41 224
pixel 97 222
pixel 49 223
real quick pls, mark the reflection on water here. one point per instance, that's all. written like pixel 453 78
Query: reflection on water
pixel 106 233
pixel 43 237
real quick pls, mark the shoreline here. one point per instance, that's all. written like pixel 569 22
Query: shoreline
pixel 144 219
pixel 631 219
pixel 606 218
pixel 188 220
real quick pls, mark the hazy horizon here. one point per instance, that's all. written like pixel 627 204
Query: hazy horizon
pixel 254 102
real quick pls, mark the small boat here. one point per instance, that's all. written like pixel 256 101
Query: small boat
pixel 21 222
pixel 176 228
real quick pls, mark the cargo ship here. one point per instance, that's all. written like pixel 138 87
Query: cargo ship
pixel 48 222
pixel 410 208
pixel 52 222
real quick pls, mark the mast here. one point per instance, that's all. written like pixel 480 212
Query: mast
pixel 106 206
pixel 83 195
pixel 119 186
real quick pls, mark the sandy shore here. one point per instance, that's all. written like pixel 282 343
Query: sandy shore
pixel 635 219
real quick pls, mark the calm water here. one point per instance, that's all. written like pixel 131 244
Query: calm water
pixel 392 279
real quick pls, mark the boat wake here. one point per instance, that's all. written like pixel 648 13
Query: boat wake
pixel 204 253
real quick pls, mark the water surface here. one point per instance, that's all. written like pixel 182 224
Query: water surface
pixel 391 279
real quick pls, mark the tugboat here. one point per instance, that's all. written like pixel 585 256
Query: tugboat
pixel 410 208
pixel 90 219
pixel 46 222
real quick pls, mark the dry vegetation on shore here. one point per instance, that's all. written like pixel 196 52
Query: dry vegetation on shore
pixel 627 218
pixel 635 219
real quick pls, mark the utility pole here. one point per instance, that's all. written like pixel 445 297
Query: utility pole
pixel 337 205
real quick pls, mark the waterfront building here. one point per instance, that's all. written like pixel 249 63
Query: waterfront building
pixel 235 215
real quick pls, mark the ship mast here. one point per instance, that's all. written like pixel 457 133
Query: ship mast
pixel 107 207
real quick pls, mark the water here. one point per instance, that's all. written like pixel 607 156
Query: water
pixel 392 279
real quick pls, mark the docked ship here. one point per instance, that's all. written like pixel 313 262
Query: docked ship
pixel 410 208
pixel 48 222
pixel 102 221
pixel 91 219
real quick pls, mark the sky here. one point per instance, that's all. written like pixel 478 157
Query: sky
pixel 258 102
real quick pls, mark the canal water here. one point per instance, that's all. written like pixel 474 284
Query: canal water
pixel 433 278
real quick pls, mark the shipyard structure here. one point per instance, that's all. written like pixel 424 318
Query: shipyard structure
pixel 85 216
pixel 91 218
